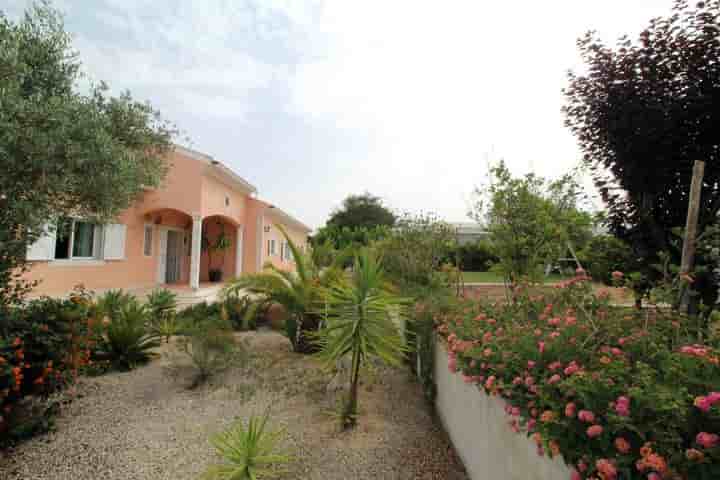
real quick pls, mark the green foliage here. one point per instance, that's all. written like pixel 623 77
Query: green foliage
pixel 248 453
pixel 530 221
pixel 112 302
pixel 199 312
pixel 360 324
pixel 415 249
pixel 301 292
pixel 474 257
pixel 210 345
pixel 162 304
pixel 362 211
pixel 52 135
pixel 639 377
pixel 343 239
pixel 42 347
pixel 605 254
pixel 243 312
pixel 127 342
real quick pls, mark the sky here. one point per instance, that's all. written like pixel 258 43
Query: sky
pixel 314 100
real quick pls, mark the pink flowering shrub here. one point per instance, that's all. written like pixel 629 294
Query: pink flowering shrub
pixel 619 393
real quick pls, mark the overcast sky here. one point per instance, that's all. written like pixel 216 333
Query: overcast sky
pixel 314 100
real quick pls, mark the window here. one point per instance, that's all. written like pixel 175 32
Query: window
pixel 77 239
pixel 288 252
pixel 227 201
pixel 282 250
pixel 148 242
pixel 271 247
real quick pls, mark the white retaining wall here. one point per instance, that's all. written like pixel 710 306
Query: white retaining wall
pixel 478 427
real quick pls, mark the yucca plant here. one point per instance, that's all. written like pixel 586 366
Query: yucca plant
pixel 210 346
pixel 301 292
pixel 360 324
pixel 248 453
pixel 127 342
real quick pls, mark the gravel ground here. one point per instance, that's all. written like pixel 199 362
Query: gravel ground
pixel 146 424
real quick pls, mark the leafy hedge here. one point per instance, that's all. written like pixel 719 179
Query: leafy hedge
pixel 42 348
pixel 619 393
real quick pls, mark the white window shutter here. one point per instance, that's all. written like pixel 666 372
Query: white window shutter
pixel 114 244
pixel 44 247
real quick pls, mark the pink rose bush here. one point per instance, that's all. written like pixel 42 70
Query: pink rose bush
pixel 619 393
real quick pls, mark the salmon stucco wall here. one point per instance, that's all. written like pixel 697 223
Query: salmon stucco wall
pixel 271 232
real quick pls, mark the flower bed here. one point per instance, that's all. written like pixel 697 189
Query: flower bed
pixel 619 393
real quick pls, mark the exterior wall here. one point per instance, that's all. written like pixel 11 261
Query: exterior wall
pixel 271 232
pixel 181 189
pixel 478 427
pixel 214 196
pixel 252 235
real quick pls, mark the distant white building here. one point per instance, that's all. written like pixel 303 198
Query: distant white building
pixel 469 232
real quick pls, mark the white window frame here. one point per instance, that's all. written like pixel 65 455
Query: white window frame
pixel 96 255
pixel 271 247
pixel 151 227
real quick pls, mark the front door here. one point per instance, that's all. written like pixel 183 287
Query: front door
pixel 173 256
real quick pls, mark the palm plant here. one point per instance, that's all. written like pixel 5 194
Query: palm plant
pixel 248 453
pixel 127 342
pixel 301 292
pixel 162 303
pixel 360 324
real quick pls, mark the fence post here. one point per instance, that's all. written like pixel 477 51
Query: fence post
pixel 688 251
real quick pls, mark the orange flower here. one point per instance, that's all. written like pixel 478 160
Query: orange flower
pixel 39 381
pixel 605 360
pixel 646 450
pixel 17 342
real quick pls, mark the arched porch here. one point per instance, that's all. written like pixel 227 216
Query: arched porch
pixel 221 249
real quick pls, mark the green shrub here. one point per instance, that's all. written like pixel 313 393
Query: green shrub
pixel 113 301
pixel 127 341
pixel 474 257
pixel 605 254
pixel 43 345
pixel 610 389
pixel 248 453
pixel 244 312
pixel 162 304
pixel 210 345
pixel 199 313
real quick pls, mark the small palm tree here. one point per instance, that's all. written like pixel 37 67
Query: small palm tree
pixel 248 453
pixel 360 324
pixel 301 292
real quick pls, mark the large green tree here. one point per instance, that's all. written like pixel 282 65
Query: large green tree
pixel 531 221
pixel 358 211
pixel 64 150
pixel 643 111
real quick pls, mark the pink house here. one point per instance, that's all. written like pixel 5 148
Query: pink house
pixel 162 239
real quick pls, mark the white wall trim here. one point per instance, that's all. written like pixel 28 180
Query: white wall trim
pixel 77 262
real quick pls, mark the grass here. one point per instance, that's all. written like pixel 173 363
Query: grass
pixel 492 277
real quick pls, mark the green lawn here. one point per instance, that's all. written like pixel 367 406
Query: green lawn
pixel 491 277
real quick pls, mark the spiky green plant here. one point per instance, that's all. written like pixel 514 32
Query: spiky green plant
pixel 127 342
pixel 301 292
pixel 360 324
pixel 162 303
pixel 248 453
pixel 113 301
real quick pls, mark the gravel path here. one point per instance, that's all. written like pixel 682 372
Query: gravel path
pixel 146 424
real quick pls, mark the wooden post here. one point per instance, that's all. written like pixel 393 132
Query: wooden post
pixel 688 251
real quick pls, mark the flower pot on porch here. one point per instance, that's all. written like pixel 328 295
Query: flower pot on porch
pixel 215 275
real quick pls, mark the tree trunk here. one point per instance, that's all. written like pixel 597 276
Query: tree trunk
pixel 349 417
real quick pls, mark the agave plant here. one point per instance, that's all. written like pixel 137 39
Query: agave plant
pixel 248 453
pixel 127 342
pixel 301 292
pixel 360 324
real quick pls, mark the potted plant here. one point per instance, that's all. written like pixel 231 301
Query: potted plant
pixel 221 244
